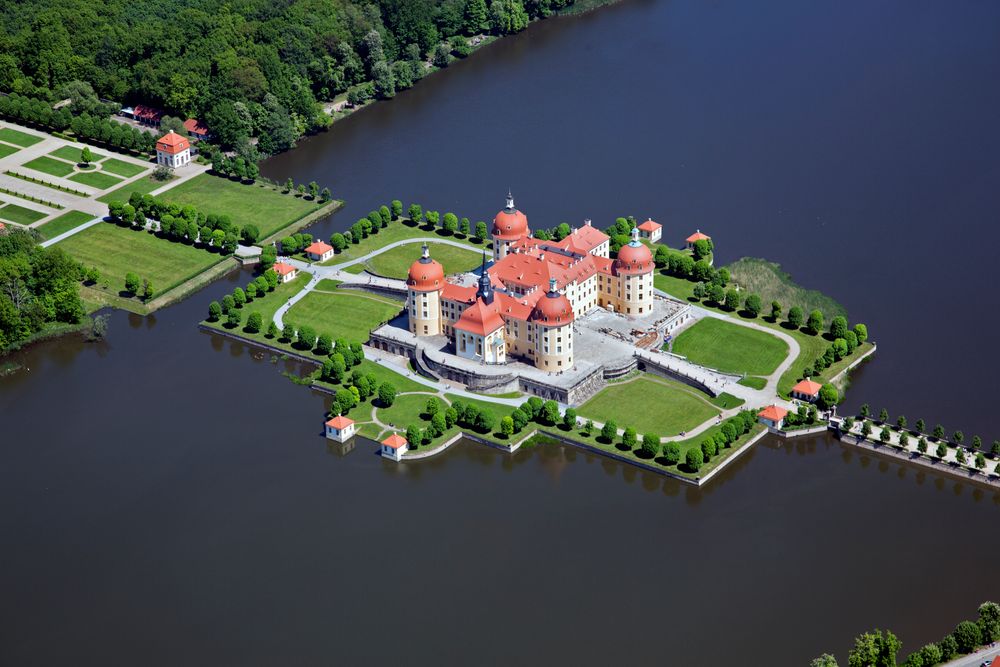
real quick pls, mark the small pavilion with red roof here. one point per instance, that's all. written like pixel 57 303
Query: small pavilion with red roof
pixel 319 251
pixel 697 236
pixel 773 417
pixel 286 272
pixel 340 428
pixel 394 447
pixel 807 390
pixel 173 150
pixel 651 231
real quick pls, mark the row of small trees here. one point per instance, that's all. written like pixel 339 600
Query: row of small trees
pixel 919 427
pixel 301 189
pixel 376 220
pixel 183 223
pixel 876 648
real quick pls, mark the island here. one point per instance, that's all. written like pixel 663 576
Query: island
pixel 425 328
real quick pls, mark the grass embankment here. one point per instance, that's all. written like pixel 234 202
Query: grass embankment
pixel 64 223
pixel 116 251
pixel 400 230
pixel 20 214
pixel 811 346
pixel 765 278
pixel 651 405
pixel 395 262
pixel 22 139
pixel 347 313
pixel 49 166
pixel 730 348
pixel 260 204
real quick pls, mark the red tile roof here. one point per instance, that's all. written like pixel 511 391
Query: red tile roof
pixel 195 126
pixel 650 226
pixel 588 237
pixel 340 422
pixel 510 224
pixel 172 143
pixel 698 236
pixel 318 248
pixel 633 260
pixel 425 275
pixel 807 387
pixel 517 307
pixel 454 292
pixel 996 662
pixel 480 318
pixel 283 269
pixel 395 441
pixel 773 412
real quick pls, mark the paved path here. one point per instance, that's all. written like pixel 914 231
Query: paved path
pixel 69 233
pixel 974 659
pixel 932 444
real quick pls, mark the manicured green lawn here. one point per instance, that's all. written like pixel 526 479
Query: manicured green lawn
pixel 327 285
pixel 650 405
pixel 20 214
pixel 347 314
pixel 142 186
pixel 122 168
pixel 64 223
pixel 6 150
pixel 395 262
pixel 116 251
pixel 356 268
pixel 258 204
pixel 12 136
pixel 72 153
pixel 96 180
pixel 50 166
pixel 730 348
pixel 405 410
pixel 753 382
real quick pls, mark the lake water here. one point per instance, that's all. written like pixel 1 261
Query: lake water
pixel 168 498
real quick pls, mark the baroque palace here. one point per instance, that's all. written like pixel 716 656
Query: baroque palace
pixel 524 305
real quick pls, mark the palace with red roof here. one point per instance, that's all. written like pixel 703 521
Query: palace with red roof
pixel 526 302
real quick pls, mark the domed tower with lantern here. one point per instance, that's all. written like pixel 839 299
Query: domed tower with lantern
pixel 509 226
pixel 424 284
pixel 632 276
pixel 552 320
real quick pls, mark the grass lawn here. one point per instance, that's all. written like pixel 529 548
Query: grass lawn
pixel 730 348
pixel 405 410
pixel 47 165
pixel 753 382
pixel 64 223
pixel 651 405
pixel 116 251
pixel 96 180
pixel 12 136
pixel 122 168
pixel 6 150
pixel 355 268
pixel 327 285
pixel 398 230
pixel 142 186
pixel 72 153
pixel 350 314
pixel 259 204
pixel 20 214
pixel 395 262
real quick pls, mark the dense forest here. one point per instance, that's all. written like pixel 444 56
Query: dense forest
pixel 38 286
pixel 247 68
